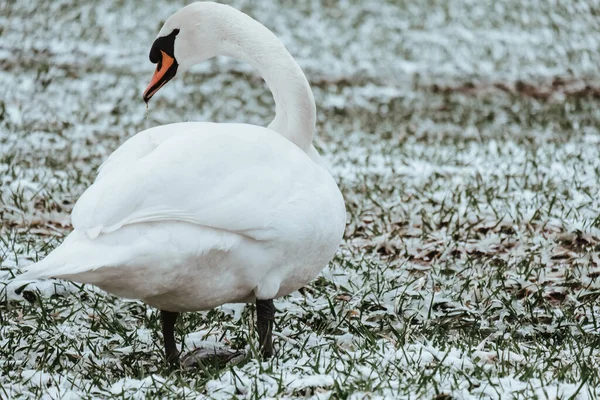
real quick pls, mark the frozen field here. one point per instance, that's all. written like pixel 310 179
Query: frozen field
pixel 465 136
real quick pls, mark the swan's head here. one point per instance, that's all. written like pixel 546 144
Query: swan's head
pixel 188 37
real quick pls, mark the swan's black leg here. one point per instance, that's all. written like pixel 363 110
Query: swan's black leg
pixel 265 316
pixel 168 326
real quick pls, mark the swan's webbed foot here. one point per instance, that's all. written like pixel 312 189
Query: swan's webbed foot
pixel 216 357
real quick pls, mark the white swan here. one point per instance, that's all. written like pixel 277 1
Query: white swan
pixel 193 215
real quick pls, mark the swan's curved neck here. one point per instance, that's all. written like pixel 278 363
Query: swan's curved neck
pixel 295 111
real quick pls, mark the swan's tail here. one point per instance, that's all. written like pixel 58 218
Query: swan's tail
pixel 76 255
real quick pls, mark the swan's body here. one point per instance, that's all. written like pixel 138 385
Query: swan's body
pixel 192 215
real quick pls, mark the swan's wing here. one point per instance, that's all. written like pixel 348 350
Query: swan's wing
pixel 232 177
pixel 143 144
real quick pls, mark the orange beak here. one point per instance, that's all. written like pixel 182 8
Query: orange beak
pixel 165 71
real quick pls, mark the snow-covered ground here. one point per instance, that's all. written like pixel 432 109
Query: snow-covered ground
pixel 463 134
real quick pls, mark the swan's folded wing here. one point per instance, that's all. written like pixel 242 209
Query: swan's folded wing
pixel 230 182
pixel 143 144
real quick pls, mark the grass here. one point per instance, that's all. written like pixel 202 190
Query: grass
pixel 470 265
